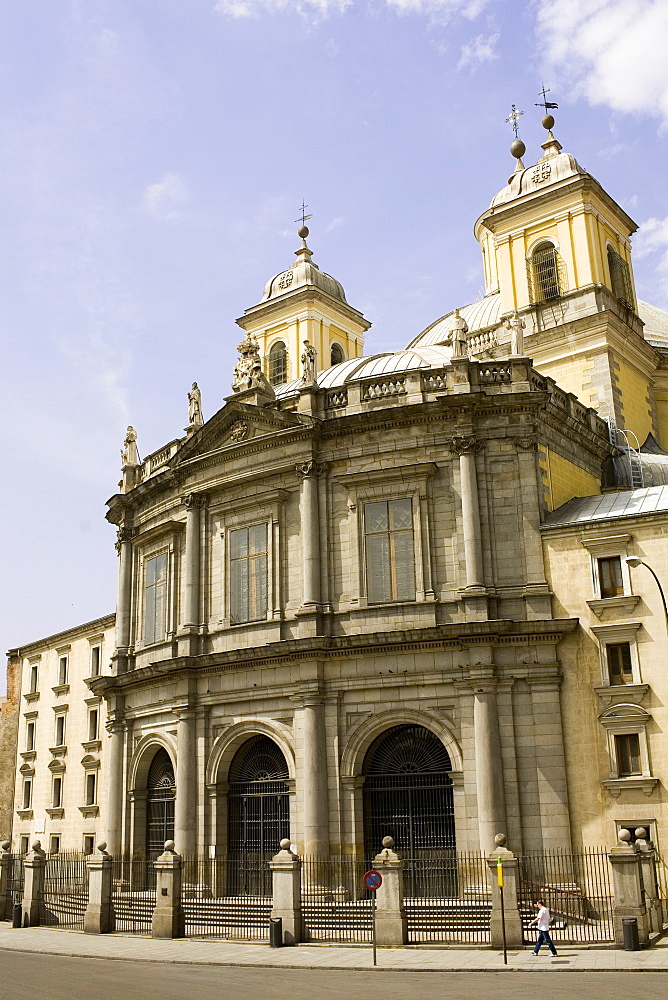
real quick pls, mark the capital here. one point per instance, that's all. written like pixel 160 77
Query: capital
pixel 311 468
pixel 464 444
pixel 195 501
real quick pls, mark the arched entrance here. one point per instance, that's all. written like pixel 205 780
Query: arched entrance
pixel 408 793
pixel 161 790
pixel 258 800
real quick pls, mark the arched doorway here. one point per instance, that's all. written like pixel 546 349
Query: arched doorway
pixel 258 800
pixel 408 793
pixel 161 790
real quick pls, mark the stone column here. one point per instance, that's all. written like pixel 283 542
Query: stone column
pixel 114 753
pixel 33 887
pixel 309 511
pixel 511 913
pixel 99 917
pixel 314 765
pixel 649 881
pixel 391 921
pixel 466 446
pixel 191 614
pixel 168 918
pixel 627 885
pixel 287 893
pixel 5 868
pixel 123 598
pixel 488 763
pixel 185 816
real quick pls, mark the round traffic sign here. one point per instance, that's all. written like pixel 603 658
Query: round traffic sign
pixel 373 879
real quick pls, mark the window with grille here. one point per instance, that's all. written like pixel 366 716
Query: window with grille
pixel 336 354
pixel 620 278
pixel 620 667
pixel 390 561
pixel 611 583
pixel 627 749
pixel 278 364
pixel 248 573
pixel 155 598
pixel 546 273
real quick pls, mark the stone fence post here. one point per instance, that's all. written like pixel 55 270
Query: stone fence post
pixel 649 881
pixel 168 917
pixel 5 868
pixel 286 878
pixel 391 922
pixel 99 917
pixel 511 913
pixel 628 888
pixel 33 887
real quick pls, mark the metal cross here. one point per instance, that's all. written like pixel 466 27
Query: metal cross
pixel 514 119
pixel 303 217
pixel 545 103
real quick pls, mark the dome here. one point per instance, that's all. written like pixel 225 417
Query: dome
pixel 548 170
pixel 301 274
pixel 478 315
pixel 656 324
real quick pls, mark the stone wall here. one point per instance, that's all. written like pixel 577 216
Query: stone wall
pixel 9 718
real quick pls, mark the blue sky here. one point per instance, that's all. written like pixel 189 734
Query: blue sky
pixel 153 157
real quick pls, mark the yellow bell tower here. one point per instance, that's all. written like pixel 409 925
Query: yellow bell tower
pixel 556 248
pixel 299 305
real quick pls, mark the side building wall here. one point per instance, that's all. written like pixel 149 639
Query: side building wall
pixel 9 718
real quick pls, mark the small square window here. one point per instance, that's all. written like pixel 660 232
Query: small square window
pixel 54 843
pixel 91 788
pixel 88 843
pixel 627 749
pixel 620 667
pixel 95 660
pixel 30 736
pixel 24 845
pixel 610 576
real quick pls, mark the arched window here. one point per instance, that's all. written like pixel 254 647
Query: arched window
pixel 545 273
pixel 336 354
pixel 620 278
pixel 278 363
pixel 259 806
pixel 161 790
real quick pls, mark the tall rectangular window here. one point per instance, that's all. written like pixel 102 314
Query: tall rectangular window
pixel 62 669
pixel 627 748
pixel 27 793
pixel 95 657
pixel 60 731
pixel 54 843
pixel 155 598
pixel 390 561
pixel 57 793
pixel 30 736
pixel 24 846
pixel 610 576
pixel 91 788
pixel 248 574
pixel 34 677
pixel 93 724
pixel 88 843
pixel 620 667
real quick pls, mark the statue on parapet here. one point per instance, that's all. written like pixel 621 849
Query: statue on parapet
pixel 308 364
pixel 129 451
pixel 516 325
pixel 248 373
pixel 195 418
pixel 458 331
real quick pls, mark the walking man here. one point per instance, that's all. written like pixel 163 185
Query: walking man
pixel 542 921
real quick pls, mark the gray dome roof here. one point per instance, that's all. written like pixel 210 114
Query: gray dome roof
pixel 656 324
pixel 548 170
pixel 300 275
pixel 478 316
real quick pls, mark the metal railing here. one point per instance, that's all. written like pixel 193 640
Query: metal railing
pixel 65 896
pixel 227 897
pixel 335 904
pixel 448 899
pixel 14 885
pixel 133 894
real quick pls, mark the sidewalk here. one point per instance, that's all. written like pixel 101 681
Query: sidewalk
pixel 187 951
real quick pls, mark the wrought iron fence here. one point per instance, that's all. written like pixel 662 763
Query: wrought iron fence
pixel 65 897
pixel 227 898
pixel 15 882
pixel 335 904
pixel 133 894
pixel 662 883
pixel 577 890
pixel 447 897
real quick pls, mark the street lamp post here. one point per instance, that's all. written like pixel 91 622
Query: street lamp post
pixel 634 561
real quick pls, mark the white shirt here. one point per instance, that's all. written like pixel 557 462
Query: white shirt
pixel 543 919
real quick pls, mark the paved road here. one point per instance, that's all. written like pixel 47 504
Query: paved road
pixel 47 977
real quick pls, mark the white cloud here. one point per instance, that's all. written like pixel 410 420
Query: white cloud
pixel 652 238
pixel 164 198
pixel 614 51
pixel 334 224
pixel 439 11
pixel 479 50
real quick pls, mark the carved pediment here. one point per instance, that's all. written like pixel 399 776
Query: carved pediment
pixel 234 425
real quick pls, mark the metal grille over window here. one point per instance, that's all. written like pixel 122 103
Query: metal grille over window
pixel 259 810
pixel 390 562
pixel 278 364
pixel 620 278
pixel 547 278
pixel 160 804
pixel 155 599
pixel 248 574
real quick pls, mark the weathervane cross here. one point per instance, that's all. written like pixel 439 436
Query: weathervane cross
pixel 545 103
pixel 514 120
pixel 303 217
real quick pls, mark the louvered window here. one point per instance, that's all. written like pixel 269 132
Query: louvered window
pixel 620 278
pixel 278 364
pixel 390 560
pixel 155 598
pixel 248 574
pixel 546 273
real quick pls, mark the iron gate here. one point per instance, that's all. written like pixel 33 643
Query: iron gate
pixel 447 897
pixel 258 800
pixel 159 804
pixel 65 897
pixel 133 894
pixel 335 904
pixel 14 885
pixel 227 898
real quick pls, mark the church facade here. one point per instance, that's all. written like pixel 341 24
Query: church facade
pixel 390 594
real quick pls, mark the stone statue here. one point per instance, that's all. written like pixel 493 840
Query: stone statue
pixel 308 363
pixel 195 418
pixel 248 373
pixel 129 452
pixel 458 331
pixel 516 326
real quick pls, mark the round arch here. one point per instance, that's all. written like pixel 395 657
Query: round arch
pixel 354 752
pixel 227 744
pixel 143 756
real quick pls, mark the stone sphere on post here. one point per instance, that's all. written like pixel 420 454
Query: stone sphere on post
pixel 6 845
pixel 388 842
pixel 284 844
pixel 37 845
pixel 500 840
pixel 624 836
pixel 169 845
pixel 641 833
